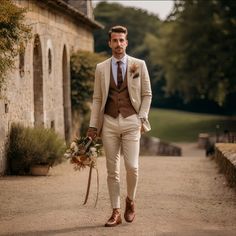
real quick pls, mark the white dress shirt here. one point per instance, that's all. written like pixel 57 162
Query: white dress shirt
pixel 123 65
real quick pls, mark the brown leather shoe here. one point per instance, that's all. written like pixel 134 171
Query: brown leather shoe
pixel 129 210
pixel 115 219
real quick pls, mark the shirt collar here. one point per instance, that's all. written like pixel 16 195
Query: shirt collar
pixel 123 59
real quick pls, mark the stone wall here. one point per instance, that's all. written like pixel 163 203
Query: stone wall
pixel 62 35
pixel 225 156
pixel 153 146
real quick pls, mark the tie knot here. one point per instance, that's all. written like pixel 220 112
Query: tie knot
pixel 118 63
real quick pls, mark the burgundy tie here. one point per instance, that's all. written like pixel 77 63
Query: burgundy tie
pixel 119 75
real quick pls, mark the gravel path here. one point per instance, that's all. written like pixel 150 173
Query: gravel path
pixel 176 196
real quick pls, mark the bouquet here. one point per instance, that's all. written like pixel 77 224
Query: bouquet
pixel 84 152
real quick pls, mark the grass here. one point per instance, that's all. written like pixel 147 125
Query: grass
pixel 180 126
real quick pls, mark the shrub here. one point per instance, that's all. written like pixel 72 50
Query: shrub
pixel 30 146
pixel 83 66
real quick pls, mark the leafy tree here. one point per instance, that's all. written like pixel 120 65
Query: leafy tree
pixel 83 66
pixel 139 23
pixel 198 50
pixel 13 31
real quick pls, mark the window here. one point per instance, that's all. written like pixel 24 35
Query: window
pixel 49 61
pixel 22 60
pixel 53 125
pixel 6 108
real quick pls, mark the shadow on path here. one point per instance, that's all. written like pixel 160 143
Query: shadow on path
pixel 54 231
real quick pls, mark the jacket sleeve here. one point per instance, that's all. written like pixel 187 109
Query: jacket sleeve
pixel 97 100
pixel 146 92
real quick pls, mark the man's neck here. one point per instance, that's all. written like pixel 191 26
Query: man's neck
pixel 118 56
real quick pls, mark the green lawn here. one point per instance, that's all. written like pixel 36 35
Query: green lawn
pixel 179 126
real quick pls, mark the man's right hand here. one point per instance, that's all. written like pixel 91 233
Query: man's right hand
pixel 92 132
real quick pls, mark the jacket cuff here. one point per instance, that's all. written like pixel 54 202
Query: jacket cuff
pixel 93 128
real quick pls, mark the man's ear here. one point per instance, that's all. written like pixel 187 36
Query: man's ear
pixel 109 43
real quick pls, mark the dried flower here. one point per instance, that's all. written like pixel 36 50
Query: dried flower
pixel 133 68
pixel 83 152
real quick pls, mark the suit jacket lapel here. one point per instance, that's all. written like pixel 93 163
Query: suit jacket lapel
pixel 107 76
pixel 128 73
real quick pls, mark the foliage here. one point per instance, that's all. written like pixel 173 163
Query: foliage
pixel 179 126
pixel 28 146
pixel 13 32
pixel 197 50
pixel 83 66
pixel 139 23
pixel 83 152
pixel 142 27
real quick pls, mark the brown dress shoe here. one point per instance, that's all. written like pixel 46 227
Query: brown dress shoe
pixel 129 210
pixel 115 219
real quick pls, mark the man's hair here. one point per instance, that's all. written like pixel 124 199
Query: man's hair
pixel 118 29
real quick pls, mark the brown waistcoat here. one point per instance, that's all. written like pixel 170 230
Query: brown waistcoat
pixel 118 100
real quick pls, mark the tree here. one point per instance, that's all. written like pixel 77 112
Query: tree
pixel 198 50
pixel 139 22
pixel 13 31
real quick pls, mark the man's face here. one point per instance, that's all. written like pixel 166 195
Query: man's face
pixel 118 44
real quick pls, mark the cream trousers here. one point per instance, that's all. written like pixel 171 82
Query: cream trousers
pixel 121 134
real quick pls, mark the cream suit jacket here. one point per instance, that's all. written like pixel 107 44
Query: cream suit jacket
pixel 139 88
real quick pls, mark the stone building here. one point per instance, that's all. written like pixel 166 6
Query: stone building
pixel 38 90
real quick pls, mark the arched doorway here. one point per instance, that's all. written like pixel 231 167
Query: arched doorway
pixel 38 83
pixel 66 95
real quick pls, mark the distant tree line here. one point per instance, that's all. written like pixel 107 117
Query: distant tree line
pixel 191 56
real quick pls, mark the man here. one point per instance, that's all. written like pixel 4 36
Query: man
pixel 121 103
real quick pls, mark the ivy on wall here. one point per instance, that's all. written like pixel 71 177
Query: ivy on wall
pixel 13 32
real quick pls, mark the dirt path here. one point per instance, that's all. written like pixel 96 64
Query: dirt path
pixel 176 196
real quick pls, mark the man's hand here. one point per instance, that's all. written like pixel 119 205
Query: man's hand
pixel 142 121
pixel 142 129
pixel 92 132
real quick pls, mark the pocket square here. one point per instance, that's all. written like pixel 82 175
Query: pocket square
pixel 136 75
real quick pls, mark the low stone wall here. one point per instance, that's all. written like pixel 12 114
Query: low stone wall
pixel 225 156
pixel 154 146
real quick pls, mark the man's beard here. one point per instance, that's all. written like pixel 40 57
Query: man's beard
pixel 119 50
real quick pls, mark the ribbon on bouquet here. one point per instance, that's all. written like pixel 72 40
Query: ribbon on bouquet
pixel 83 152
pixel 89 183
